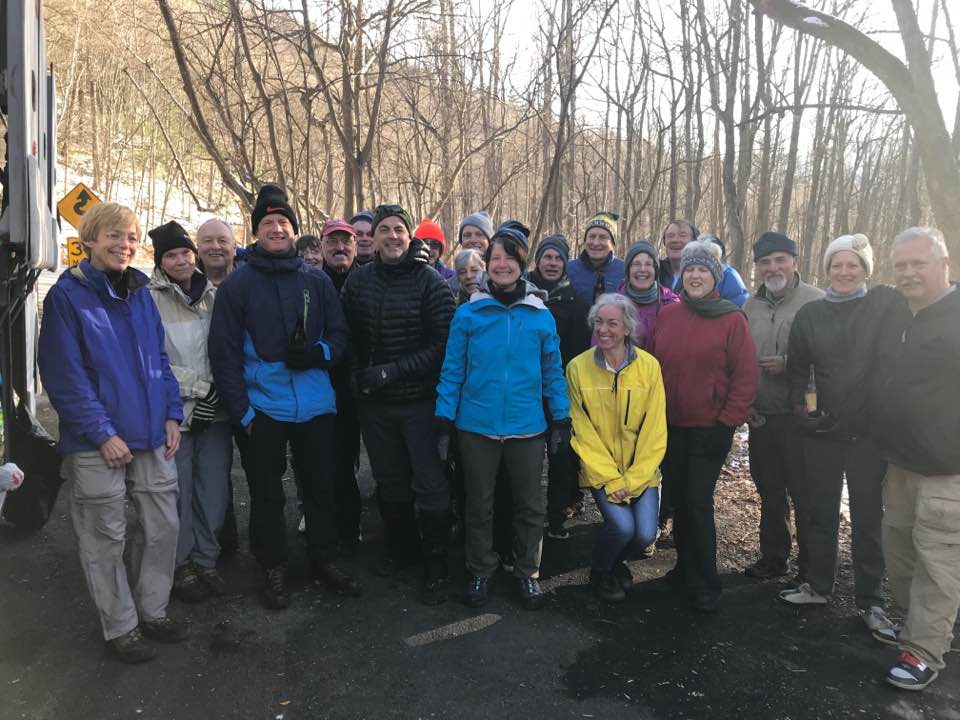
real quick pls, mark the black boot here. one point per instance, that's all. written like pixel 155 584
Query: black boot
pixel 401 538
pixel 435 528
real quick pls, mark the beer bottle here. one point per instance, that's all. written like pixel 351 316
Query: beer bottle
pixel 810 394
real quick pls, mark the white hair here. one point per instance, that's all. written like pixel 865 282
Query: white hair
pixel 464 257
pixel 699 248
pixel 621 301
pixel 931 234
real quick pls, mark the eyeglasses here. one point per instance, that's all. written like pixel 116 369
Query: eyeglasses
pixel 333 241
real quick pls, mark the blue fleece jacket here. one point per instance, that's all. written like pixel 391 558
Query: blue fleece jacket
pixel 102 362
pixel 583 276
pixel 254 317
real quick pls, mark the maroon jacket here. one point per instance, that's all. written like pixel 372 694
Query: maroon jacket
pixel 709 366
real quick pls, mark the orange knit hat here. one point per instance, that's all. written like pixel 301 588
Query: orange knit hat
pixel 429 230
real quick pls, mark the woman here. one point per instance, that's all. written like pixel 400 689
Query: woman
pixel 620 437
pixel 649 296
pixel 468 265
pixel 709 367
pixel 184 298
pixel 821 353
pixel 501 369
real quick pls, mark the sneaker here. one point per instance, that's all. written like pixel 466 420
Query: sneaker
pixel 165 629
pixel 531 596
pixel 212 581
pixel 187 586
pixel 275 594
pixel 477 593
pixel 803 595
pixel 558 532
pixel 765 568
pixel 302 527
pixel 649 551
pixel 910 672
pixel 131 648
pixel 607 585
pixel 881 627
pixel 337 581
pixel 623 575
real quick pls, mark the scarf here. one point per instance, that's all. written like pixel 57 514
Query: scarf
pixel 834 296
pixel 642 297
pixel 711 306
pixel 508 297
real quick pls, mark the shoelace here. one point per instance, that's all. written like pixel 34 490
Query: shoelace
pixel 477 583
pixel 530 586
pixel 275 578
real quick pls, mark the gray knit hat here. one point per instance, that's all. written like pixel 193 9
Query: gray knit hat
pixel 480 220
pixel 706 253
pixel 641 246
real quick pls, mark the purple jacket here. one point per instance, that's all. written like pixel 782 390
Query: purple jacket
pixel 647 316
pixel 103 364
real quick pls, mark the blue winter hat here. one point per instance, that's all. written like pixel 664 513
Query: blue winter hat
pixel 641 246
pixel 516 230
pixel 705 253
pixel 480 220
pixel 553 242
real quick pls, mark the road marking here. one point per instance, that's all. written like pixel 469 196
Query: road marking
pixel 448 632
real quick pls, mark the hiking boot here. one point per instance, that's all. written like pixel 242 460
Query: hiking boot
pixel 881 627
pixel 435 530
pixel 531 596
pixel 131 648
pixel 275 594
pixel 187 586
pixel 621 571
pixel 212 581
pixel 910 672
pixel 336 581
pixel 165 630
pixel 766 568
pixel 803 595
pixel 607 585
pixel 477 593
pixel 649 551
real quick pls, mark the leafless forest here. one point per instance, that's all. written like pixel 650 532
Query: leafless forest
pixel 742 115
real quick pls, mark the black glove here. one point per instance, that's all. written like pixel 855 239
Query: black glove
pixel 372 378
pixel 444 427
pixel 204 411
pixel 560 432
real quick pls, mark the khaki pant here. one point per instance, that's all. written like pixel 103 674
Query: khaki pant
pixel 97 508
pixel 921 543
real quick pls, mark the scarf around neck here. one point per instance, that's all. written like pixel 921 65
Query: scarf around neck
pixel 643 297
pixel 833 296
pixel 710 307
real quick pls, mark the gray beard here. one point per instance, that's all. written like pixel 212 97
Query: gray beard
pixel 776 284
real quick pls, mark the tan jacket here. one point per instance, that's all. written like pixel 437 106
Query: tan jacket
pixel 770 326
pixel 185 329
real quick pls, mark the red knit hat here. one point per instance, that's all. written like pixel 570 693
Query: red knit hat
pixel 429 230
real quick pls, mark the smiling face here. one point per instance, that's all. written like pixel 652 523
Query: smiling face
pixel 609 327
pixel 468 275
pixel 551 265
pixel 698 281
pixel 599 243
pixel 216 246
pixel 275 233
pixel 503 270
pixel 921 275
pixel 114 247
pixel 339 251
pixel 675 239
pixel 179 264
pixel 392 239
pixel 846 272
pixel 776 270
pixel 366 246
pixel 472 238
pixel 642 272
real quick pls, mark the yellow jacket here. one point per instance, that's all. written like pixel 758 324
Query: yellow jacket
pixel 619 421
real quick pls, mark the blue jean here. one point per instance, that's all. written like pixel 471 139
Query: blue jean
pixel 626 526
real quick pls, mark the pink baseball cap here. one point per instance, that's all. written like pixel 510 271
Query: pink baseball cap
pixel 337 225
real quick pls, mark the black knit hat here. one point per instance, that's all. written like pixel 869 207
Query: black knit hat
pixel 169 236
pixel 273 199
pixel 381 212
pixel 771 242
pixel 557 243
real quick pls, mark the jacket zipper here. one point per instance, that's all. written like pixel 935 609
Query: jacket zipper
pixel 627 413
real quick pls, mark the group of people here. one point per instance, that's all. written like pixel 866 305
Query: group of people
pixel 629 376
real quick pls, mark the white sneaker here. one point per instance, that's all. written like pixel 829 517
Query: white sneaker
pixel 803 595
pixel 881 627
pixel 302 527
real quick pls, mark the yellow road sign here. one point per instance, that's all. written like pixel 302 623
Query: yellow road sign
pixel 76 203
pixel 74 251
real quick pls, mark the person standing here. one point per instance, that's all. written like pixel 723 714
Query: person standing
pixel 469 265
pixel 308 247
pixel 366 247
pixel 674 239
pixel 776 447
pixel 184 298
pixel 501 370
pixel 649 297
pixel 432 236
pixel 620 437
pixel 598 270
pixel 399 311
pixel 216 250
pixel 709 367
pixel 103 365
pixel 276 332
pixel 474 233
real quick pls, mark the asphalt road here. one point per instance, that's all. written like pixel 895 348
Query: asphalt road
pixel 386 656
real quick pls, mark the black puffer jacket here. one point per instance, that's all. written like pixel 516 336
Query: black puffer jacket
pixel 569 312
pixel 400 314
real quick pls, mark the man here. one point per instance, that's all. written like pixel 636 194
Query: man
pixel 914 396
pixel 776 451
pixel 217 250
pixel 103 365
pixel 277 330
pixel 732 287
pixel 399 311
pixel 308 247
pixel 597 270
pixel 432 235
pixel 474 233
pixel 674 239
pixel 362 225
pixel 184 298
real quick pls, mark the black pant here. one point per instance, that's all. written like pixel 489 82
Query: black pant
pixel 827 460
pixel 401 441
pixel 312 443
pixel 776 465
pixel 563 489
pixel 691 467
pixel 346 493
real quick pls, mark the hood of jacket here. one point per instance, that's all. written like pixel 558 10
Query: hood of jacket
pixel 88 275
pixel 534 296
